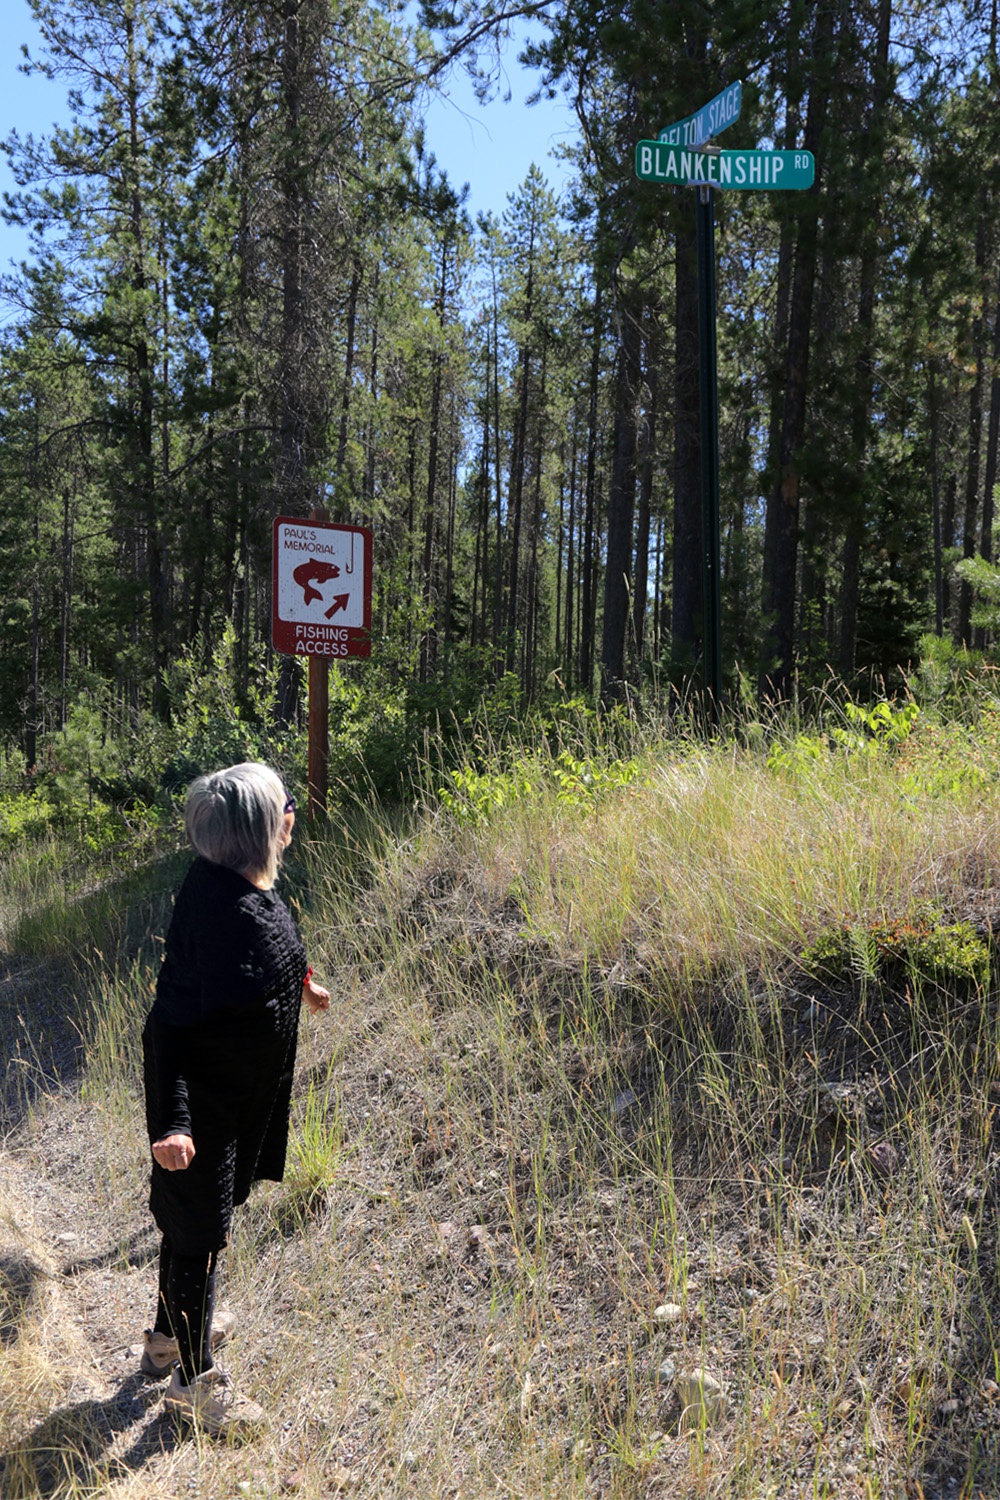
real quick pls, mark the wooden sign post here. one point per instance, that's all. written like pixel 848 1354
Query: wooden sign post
pixel 321 607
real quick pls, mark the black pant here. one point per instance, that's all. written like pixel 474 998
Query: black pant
pixel 185 1306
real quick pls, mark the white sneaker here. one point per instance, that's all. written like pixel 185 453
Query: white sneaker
pixel 160 1352
pixel 211 1403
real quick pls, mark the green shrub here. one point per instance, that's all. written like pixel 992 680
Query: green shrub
pixel 869 730
pixel 474 798
pixel 916 948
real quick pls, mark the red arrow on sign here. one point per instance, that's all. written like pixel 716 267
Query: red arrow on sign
pixel 340 601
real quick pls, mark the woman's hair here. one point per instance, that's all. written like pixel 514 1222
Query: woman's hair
pixel 236 818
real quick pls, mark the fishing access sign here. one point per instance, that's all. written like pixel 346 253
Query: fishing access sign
pixel 321 602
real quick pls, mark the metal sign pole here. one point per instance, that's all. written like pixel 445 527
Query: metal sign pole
pixel 708 381
pixel 683 155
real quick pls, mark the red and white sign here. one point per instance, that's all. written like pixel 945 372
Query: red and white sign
pixel 322 588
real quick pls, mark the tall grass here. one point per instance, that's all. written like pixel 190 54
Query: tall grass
pixel 583 1121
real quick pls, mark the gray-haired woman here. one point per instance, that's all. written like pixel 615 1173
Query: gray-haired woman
pixel 219 1053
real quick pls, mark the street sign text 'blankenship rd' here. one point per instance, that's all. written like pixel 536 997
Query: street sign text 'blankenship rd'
pixel 658 161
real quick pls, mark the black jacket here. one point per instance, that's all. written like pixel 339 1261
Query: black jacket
pixel 219 1050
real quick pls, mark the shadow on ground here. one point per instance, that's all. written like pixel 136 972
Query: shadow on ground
pixel 69 1451
pixel 19 1276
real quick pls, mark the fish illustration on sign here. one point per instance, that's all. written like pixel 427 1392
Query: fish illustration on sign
pixel 308 574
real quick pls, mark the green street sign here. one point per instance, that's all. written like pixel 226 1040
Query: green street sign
pixel 696 129
pixel 750 171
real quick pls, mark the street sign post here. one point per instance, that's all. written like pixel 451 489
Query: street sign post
pixel 747 171
pixel 321 607
pixel 714 116
pixel 682 157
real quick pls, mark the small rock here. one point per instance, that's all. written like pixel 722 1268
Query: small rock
pixel 884 1158
pixel 702 1397
pixel 341 1478
pixel 668 1312
pixel 410 1459
pixel 948 1408
pixel 665 1373
pixel 69 1238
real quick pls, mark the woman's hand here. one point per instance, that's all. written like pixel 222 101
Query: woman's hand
pixel 174 1152
pixel 315 996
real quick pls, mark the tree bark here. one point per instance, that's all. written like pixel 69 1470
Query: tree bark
pixel 863 364
pixel 781 526
pixel 963 629
pixel 686 571
pixel 589 571
pixel 621 512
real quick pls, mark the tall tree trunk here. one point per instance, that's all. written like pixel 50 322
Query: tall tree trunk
pixel 66 602
pixel 686 571
pixel 937 523
pixel 646 465
pixel 515 504
pixel 531 618
pixel 863 364
pixel 589 577
pixel 371 436
pixel 621 511
pixel 146 492
pixel 963 630
pixel 430 504
pixel 781 526
pixel 990 476
pixel 481 570
pixel 291 496
pixel 31 707
pixel 428 645
pixel 345 399
pixel 569 638
pixel 497 485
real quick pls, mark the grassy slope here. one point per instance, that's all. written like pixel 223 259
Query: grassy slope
pixel 575 1072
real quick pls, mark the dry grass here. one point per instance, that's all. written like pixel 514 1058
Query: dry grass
pixel 573 1073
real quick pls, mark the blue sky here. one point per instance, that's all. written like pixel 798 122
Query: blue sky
pixel 491 148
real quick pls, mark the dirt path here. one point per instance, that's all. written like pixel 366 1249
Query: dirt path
pixel 75 1291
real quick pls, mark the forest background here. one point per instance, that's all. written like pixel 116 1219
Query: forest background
pixel 251 291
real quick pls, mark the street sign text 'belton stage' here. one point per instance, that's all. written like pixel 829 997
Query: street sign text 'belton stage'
pixel 322 588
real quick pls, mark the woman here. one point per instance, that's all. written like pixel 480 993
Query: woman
pixel 219 1053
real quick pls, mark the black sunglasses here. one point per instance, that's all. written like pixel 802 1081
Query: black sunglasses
pixel 289 802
